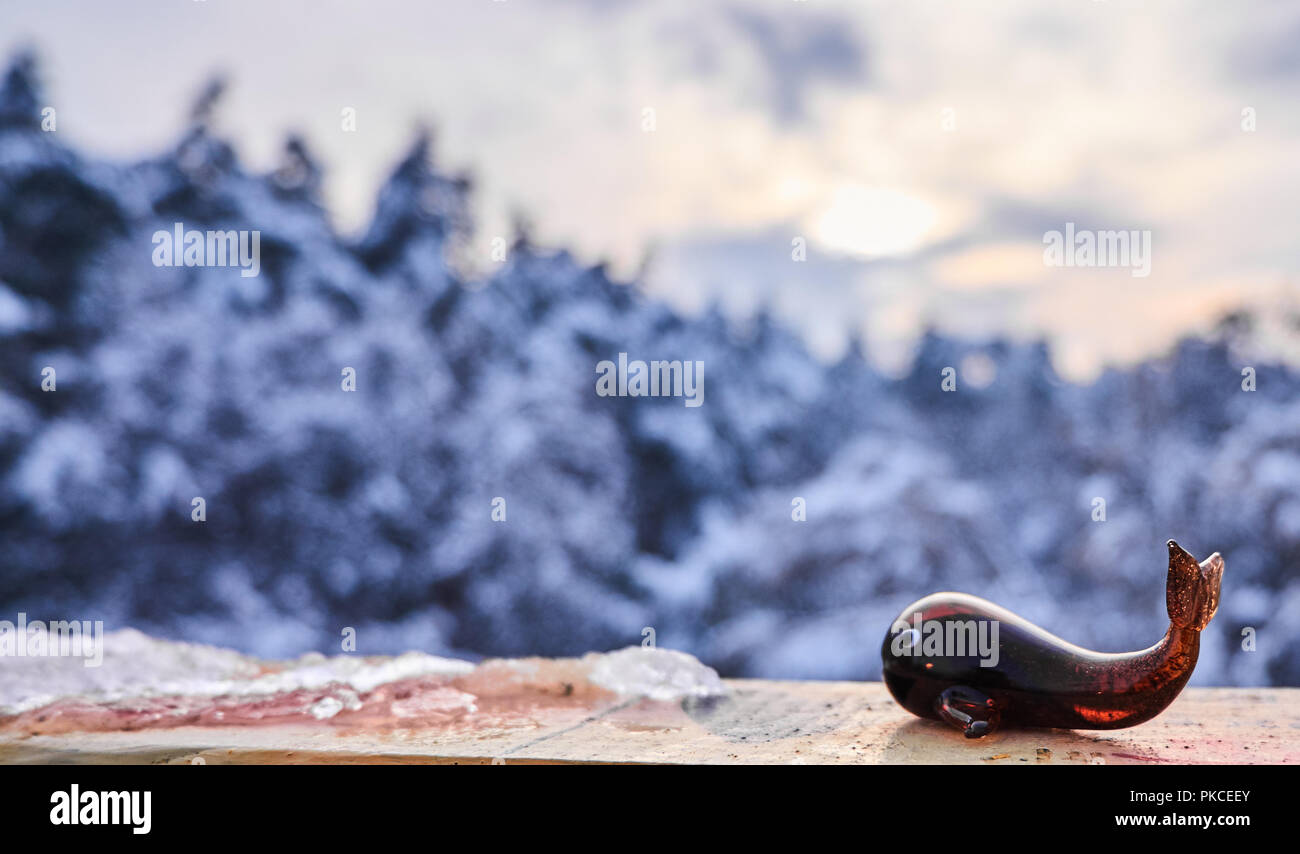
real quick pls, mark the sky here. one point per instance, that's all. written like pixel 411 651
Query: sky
pixel 917 151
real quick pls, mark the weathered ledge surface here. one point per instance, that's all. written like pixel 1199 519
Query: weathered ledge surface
pixel 158 702
pixel 755 722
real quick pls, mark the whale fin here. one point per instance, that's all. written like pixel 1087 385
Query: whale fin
pixel 970 711
pixel 1192 591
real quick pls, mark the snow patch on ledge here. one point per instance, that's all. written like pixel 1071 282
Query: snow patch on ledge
pixel 146 681
pixel 137 665
pixel 659 674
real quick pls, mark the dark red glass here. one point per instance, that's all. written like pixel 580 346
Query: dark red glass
pixel 978 666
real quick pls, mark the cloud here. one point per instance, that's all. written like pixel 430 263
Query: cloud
pixel 847 122
pixel 800 51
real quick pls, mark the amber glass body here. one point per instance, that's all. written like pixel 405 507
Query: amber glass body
pixel 1040 680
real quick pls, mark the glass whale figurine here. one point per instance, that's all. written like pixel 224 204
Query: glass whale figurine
pixel 961 659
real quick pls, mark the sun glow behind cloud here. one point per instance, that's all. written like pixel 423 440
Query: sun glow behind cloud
pixel 873 222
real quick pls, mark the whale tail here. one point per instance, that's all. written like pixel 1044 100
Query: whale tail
pixel 1192 591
